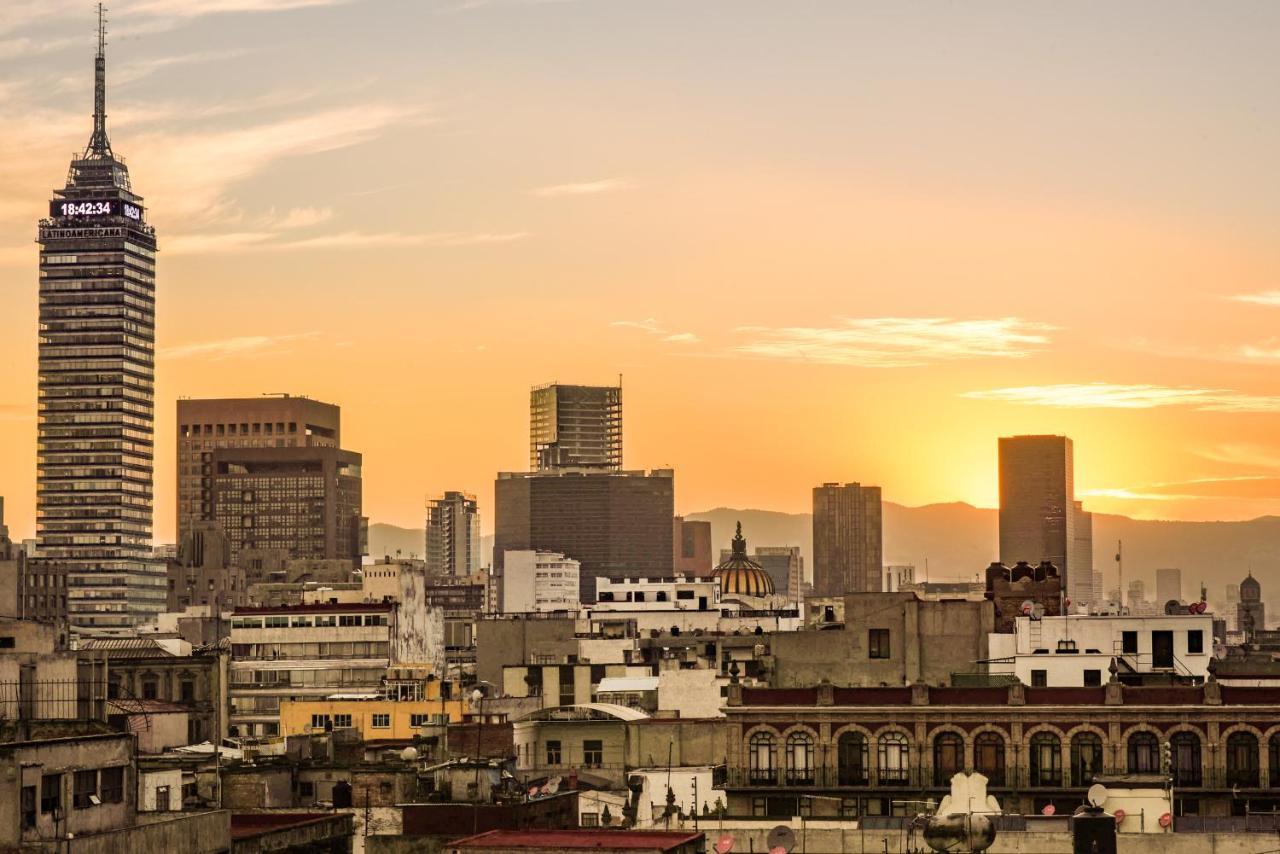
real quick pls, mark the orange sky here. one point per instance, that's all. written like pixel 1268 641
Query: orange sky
pixel 821 242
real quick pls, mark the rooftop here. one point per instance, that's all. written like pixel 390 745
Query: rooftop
pixel 577 840
pixel 249 825
pixel 317 608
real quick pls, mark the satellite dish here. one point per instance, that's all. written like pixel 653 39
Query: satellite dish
pixel 1119 816
pixel 553 785
pixel 1037 611
pixel 533 791
pixel 1027 607
pixel 409 754
pixel 1048 809
pixel 1097 795
pixel 781 837
pixel 724 844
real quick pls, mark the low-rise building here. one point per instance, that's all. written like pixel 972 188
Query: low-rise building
pixel 398 711
pixel 539 581
pixel 599 841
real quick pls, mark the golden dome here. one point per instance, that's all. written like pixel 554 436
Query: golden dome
pixel 740 575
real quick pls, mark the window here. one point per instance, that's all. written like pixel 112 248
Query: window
pixel 852 758
pixel 306 789
pixel 849 808
pixel 894 758
pixel 1092 678
pixel 149 689
pixel 553 752
pixel 590 819
pixel 188 691
pixel 381 721
pixel 1195 642
pixel 339 721
pixel 1129 643
pixel 28 807
pixel 86 790
pixel 1144 753
pixel 593 753
pixel 760 758
pixel 684 594
pixel 50 793
pixel 948 757
pixel 1086 758
pixel 419 719
pixel 1046 760
pixel 6 642
pixel 1186 758
pixel 988 756
pixel 348 619
pixel 319 721
pixel 113 785
pixel 800 758
pixel 759 808
pixel 878 643
pixel 1242 759
pixel 1039 678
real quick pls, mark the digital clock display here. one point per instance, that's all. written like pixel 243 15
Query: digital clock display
pixel 95 208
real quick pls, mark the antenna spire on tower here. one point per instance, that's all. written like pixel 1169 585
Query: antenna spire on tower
pixel 99 145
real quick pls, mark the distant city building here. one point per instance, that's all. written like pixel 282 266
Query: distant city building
pixel 1137 591
pixel 270 421
pixel 575 426
pixel 784 565
pixel 740 576
pixel 847 539
pixel 453 535
pixel 897 576
pixel 95 431
pixel 692 543
pixel 1168 586
pixel 539 581
pixel 1087 580
pixel 1251 612
pixel 615 523
pixel 1037 504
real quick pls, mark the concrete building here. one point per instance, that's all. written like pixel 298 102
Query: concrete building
pixel 453 535
pixel 860 750
pixel 398 711
pixel 848 548
pixel 1087 579
pixel 202 574
pixel 692 543
pixel 886 639
pixel 1037 504
pixel 539 581
pixel 1079 650
pixel 575 426
pixel 1251 612
pixel 1168 586
pixel 898 576
pixel 615 523
pixel 1014 590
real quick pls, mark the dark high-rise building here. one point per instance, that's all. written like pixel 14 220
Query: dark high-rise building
pixel 575 426
pixel 1251 611
pixel 1037 505
pixel 275 421
pixel 848 546
pixel 96 384
pixel 617 524
pixel 453 535
pixel 691 540
pixel 304 502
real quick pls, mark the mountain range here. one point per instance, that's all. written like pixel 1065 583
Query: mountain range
pixel 957 541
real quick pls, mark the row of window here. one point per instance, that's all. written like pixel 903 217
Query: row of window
pixel 318 621
pixel 90 788
pixel 1182 758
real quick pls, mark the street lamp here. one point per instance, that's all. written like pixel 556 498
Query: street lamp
pixel 477 699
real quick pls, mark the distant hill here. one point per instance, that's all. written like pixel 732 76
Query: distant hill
pixel 959 540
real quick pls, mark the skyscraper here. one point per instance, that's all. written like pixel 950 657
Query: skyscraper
pixel 1168 586
pixel 848 548
pixel 1037 504
pixel 1251 612
pixel 97 375
pixel 1087 583
pixel 575 426
pixel 453 535
pixel 271 421
pixel 615 523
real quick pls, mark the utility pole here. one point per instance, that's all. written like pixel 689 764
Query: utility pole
pixel 1120 568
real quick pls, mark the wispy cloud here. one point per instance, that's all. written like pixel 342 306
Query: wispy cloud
pixel 653 327
pixel 1241 454
pixel 1256 487
pixel 268 241
pixel 1101 395
pixel 199 8
pixel 1271 298
pixel 587 188
pixel 297 218
pixel 897 342
pixel 227 348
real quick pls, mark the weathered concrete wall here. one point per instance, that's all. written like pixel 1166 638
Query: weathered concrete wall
pixel 419 635
pixel 403 845
pixel 182 833
pixel 510 641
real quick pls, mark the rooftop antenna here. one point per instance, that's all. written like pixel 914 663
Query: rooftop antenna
pixel 99 145
pixel 1120 569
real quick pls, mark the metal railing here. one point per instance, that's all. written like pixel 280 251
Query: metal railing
pixel 54 699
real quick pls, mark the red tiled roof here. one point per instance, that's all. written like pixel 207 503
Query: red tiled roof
pixel 573 840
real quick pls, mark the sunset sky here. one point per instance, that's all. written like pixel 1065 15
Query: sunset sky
pixel 819 240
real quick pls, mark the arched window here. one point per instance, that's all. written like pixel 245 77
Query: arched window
pixel 1187 765
pixel 800 758
pixel 852 759
pixel 1086 758
pixel 988 757
pixel 1242 759
pixel 948 757
pixel 894 760
pixel 1273 754
pixel 1046 759
pixel 762 759
pixel 1144 753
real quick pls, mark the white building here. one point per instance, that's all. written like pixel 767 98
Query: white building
pixel 680 593
pixel 539 581
pixel 897 576
pixel 1168 586
pixel 1078 650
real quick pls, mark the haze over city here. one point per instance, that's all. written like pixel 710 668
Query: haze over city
pixel 820 241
